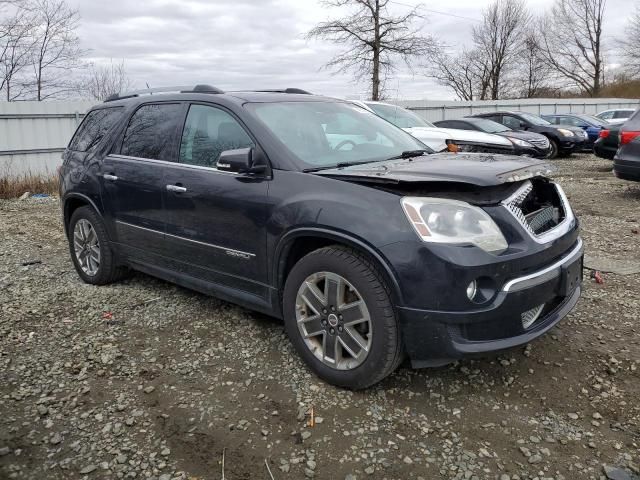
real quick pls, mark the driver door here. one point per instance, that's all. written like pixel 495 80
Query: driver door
pixel 215 220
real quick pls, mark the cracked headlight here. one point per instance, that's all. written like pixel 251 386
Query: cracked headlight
pixel 565 132
pixel 441 220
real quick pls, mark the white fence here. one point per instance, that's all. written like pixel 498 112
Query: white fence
pixel 34 134
pixel 436 110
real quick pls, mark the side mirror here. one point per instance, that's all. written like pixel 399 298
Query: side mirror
pixel 523 126
pixel 241 160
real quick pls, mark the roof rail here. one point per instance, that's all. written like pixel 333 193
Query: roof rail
pixel 285 90
pixel 201 88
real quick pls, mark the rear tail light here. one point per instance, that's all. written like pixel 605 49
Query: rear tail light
pixel 604 133
pixel 627 137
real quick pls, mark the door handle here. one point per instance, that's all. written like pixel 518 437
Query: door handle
pixel 176 189
pixel 108 176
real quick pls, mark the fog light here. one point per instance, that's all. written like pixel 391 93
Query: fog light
pixel 472 289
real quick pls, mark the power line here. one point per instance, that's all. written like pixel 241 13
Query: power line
pixel 437 11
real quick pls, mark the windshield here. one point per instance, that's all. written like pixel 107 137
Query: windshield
pixel 400 117
pixel 593 120
pixel 488 126
pixel 534 119
pixel 326 134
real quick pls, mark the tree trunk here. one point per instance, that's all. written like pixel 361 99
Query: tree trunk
pixel 375 73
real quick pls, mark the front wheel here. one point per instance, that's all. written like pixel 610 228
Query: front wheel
pixel 554 149
pixel 340 318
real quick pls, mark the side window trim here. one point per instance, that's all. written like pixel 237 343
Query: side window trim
pixel 244 127
pixel 117 147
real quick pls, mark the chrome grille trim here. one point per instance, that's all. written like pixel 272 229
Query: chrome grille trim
pixel 513 202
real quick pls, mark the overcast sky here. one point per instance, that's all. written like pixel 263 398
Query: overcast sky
pixel 237 44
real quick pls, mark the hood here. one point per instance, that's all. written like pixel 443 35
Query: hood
pixel 439 136
pixel 523 135
pixel 471 168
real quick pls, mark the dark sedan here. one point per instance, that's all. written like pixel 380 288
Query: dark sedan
pixel 524 143
pixel 626 164
pixel 564 139
pixel 590 124
pixel 608 142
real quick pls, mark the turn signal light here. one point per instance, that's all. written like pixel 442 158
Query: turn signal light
pixel 627 137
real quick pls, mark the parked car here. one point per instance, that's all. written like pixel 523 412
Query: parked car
pixel 369 249
pixel 626 163
pixel 589 123
pixel 616 116
pixel 563 140
pixel 524 143
pixel 439 139
pixel 608 142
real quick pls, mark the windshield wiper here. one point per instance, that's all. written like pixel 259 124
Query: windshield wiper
pixel 409 154
pixel 339 165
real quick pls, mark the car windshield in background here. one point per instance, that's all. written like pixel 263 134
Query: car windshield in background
pixel 488 126
pixel 400 117
pixel 327 134
pixel 598 122
pixel 534 119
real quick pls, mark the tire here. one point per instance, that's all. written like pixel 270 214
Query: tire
pixel 104 270
pixel 554 149
pixel 361 281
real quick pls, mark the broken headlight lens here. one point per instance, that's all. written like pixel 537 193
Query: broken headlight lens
pixel 441 220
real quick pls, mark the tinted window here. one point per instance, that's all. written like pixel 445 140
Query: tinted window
pixel 511 122
pixel 151 131
pixel 489 126
pixel 93 128
pixel 207 132
pixel 623 114
pixel 573 121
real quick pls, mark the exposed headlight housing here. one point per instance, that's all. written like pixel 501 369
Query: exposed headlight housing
pixel 440 220
pixel 565 132
pixel 520 143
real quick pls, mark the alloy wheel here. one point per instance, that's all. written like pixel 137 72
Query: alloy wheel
pixel 86 247
pixel 333 320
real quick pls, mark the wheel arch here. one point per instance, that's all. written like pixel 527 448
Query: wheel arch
pixel 71 203
pixel 298 243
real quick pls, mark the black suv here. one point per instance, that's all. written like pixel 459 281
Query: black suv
pixel 626 163
pixel 564 139
pixel 319 212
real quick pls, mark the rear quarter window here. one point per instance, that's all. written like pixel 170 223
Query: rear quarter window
pixel 94 127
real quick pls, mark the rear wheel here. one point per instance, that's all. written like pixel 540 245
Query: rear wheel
pixel 340 318
pixel 89 247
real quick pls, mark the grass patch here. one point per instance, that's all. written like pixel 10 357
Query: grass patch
pixel 15 186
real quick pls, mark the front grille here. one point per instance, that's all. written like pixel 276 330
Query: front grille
pixel 538 206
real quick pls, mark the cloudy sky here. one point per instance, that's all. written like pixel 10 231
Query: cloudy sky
pixel 237 44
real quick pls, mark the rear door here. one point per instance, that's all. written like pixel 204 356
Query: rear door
pixel 132 179
pixel 215 219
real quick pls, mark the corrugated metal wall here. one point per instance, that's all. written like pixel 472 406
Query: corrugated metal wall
pixel 34 134
pixel 436 110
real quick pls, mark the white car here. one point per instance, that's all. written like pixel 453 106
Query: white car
pixel 438 139
pixel 616 116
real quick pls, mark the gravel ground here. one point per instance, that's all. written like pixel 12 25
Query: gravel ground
pixel 143 379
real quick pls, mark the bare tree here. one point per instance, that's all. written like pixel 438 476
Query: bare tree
pixel 532 70
pixel 571 40
pixel 374 40
pixel 57 47
pixel 499 39
pixel 104 80
pixel 16 42
pixel 630 45
pixel 466 74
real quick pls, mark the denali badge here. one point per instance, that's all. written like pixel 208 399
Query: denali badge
pixel 234 253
